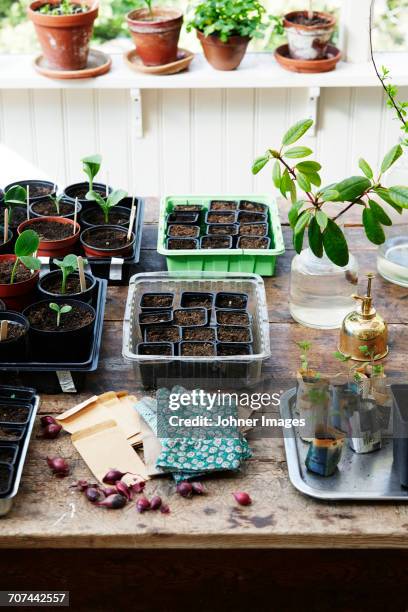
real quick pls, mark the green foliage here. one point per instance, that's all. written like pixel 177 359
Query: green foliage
pixel 60 310
pixel 26 245
pixel 107 203
pixel 68 265
pixel 296 132
pixel 15 196
pixel 228 18
pixel 65 7
pixel 91 166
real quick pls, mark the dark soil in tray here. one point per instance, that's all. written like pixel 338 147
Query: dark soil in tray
pixel 194 316
pixel 15 330
pixel 252 242
pixel 197 300
pixel 116 217
pixel 232 350
pixel 253 229
pixel 303 19
pixel 187 208
pixel 73 285
pixel 233 334
pixel 43 318
pixel 232 318
pixel 155 349
pixel 152 318
pixel 184 231
pixel 222 230
pixel 9 435
pixel 178 244
pixel 220 205
pixel 251 217
pixel 163 334
pixel 216 242
pixel 199 334
pixel 13 414
pixel 19 215
pixel 22 273
pixel 4 478
pixel 197 349
pixel 221 217
pixel 154 300
pixel 106 238
pixel 47 208
pixel 52 230
pixel 231 300
pixel 7 454
pixel 252 206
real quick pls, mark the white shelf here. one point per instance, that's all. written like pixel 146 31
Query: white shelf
pixel 258 70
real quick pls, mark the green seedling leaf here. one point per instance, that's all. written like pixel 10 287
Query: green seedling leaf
pixel 341 357
pixel 308 167
pixel 298 152
pixel 366 168
pixel 94 196
pixel 54 307
pixel 66 308
pixel 304 345
pixel 335 244
pixel 399 195
pixel 296 131
pixel 27 243
pixel 322 219
pixel 352 188
pixel 276 174
pixel 315 238
pixel 385 196
pixel 260 163
pixel 60 310
pixel 294 212
pixel 379 213
pixel 115 197
pixel 373 229
pixel 67 266
pixel 391 157
pixel 15 196
pixel 32 263
pixel 303 181
pixel 91 166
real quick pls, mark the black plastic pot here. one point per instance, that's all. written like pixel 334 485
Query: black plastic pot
pixel 147 299
pixel 118 215
pixel 216 242
pixel 225 217
pixel 197 299
pixel 244 320
pixel 61 345
pixel 197 369
pixel 153 371
pixel 6 476
pixel 66 215
pixel 19 214
pixel 14 349
pixel 11 433
pixel 232 349
pixel 71 191
pixel 6 247
pixel 8 453
pixel 2 305
pixel 223 229
pixel 183 218
pixel 244 242
pixel 86 296
pixel 252 206
pixel 198 334
pixel 154 317
pixel 231 301
pixel 34 185
pixel 188 312
pixel 245 216
pixel 173 244
pixel 24 407
pixel 193 229
pixel 235 370
pixel 226 204
pixel 233 329
pixel 262 228
pixel 400 431
pixel 160 334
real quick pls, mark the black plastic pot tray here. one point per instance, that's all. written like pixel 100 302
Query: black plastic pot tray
pixel 62 377
pixel 117 271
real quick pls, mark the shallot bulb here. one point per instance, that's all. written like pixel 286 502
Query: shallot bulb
pixel 113 502
pixel 112 477
pixel 58 466
pixel 142 504
pixel 47 420
pixel 185 489
pixel 242 498
pixel 155 502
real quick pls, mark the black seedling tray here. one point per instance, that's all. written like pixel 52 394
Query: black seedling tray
pixel 67 377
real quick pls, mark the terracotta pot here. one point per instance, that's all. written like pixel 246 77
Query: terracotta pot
pixel 308 42
pixel 53 248
pixel 156 39
pixel 224 55
pixel 16 296
pixel 64 39
pixel 93 251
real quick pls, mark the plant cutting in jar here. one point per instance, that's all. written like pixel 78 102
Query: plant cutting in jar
pixel 60 310
pixel 107 203
pixel 91 166
pixel 24 249
pixel 225 29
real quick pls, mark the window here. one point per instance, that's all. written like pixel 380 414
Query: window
pixel 390 25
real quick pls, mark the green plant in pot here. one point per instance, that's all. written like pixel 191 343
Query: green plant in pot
pixel 321 276
pixel 155 32
pixel 60 310
pixel 19 272
pixel 15 200
pixel 91 166
pixel 108 203
pixel 225 29
pixel 64 29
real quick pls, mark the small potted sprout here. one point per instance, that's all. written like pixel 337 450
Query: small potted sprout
pixel 60 331
pixel 106 211
pixel 55 206
pixel 15 201
pixel 91 166
pixel 19 272
pixel 36 189
pixel 68 281
pixel 13 336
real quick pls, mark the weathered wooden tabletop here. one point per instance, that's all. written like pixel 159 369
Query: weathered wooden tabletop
pixel 47 514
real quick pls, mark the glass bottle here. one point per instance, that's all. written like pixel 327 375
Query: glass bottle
pixel 320 291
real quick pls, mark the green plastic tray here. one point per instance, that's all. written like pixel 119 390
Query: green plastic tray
pixel 257 261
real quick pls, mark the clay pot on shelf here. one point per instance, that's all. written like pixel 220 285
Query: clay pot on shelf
pixel 17 294
pixel 308 39
pixel 47 208
pixel 107 241
pixel 57 235
pixel 64 39
pixel 156 35
pixel 223 55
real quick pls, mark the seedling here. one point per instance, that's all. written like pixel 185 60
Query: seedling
pixel 57 200
pixel 305 368
pixel 149 4
pixel 91 166
pixel 26 245
pixel 107 203
pixel 67 266
pixel 228 18
pixel 60 310
pixel 15 196
pixel 65 7
pixel 376 369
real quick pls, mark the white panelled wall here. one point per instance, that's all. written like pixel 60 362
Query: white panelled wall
pixel 194 141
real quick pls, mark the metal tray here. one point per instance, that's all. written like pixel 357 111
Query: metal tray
pixel 358 478
pixel 6 502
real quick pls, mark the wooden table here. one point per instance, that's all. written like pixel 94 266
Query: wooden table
pixel 47 515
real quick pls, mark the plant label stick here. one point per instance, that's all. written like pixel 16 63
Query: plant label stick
pixel 28 201
pixel 81 272
pixel 6 225
pixel 3 331
pixel 131 220
pixel 75 215
pixel 311 12
pixel 107 184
